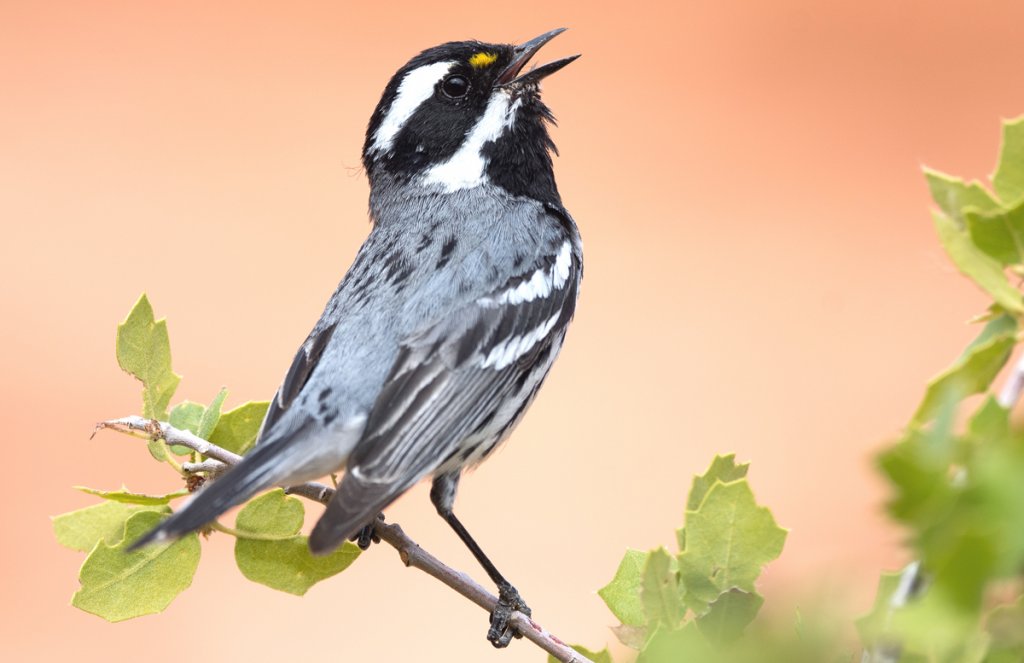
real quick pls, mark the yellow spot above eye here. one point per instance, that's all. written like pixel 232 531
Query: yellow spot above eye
pixel 482 59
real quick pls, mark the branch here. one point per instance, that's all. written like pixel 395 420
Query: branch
pixel 1013 386
pixel 391 533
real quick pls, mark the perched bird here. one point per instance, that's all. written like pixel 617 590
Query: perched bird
pixel 442 331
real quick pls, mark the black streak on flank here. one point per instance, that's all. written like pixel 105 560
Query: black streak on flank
pixel 400 277
pixel 425 241
pixel 325 394
pixel 446 252
pixel 392 264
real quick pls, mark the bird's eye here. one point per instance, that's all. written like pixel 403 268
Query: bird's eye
pixel 455 87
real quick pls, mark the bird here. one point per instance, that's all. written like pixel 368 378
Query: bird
pixel 445 326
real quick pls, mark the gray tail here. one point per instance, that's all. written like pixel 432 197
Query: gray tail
pixel 355 505
pixel 255 473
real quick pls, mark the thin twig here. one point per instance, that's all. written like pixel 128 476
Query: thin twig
pixel 391 533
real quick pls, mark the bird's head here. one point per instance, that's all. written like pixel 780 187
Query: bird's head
pixel 465 113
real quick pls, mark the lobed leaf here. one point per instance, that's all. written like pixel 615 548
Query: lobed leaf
pixel 724 469
pixel 874 626
pixel 285 564
pixel 999 233
pixel 1008 180
pixel 954 196
pixel 676 645
pixel 82 529
pixel 728 540
pixel 975 264
pixel 236 429
pixel 622 594
pixel 729 615
pixel 973 371
pixel 144 351
pixel 119 585
pixel 659 590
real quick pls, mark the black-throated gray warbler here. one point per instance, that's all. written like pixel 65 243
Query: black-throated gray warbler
pixel 442 331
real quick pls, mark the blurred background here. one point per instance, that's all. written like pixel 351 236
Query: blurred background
pixel 762 278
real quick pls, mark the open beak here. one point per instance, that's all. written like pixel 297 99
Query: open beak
pixel 521 55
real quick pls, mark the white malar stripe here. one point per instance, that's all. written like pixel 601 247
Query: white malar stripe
pixel 417 86
pixel 465 169
pixel 508 351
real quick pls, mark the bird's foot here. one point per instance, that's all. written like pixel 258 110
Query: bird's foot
pixel 509 601
pixel 368 534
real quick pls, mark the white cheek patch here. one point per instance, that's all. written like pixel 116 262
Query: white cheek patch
pixel 465 169
pixel 415 88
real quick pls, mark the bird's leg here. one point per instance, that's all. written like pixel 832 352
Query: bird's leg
pixel 442 494
pixel 368 534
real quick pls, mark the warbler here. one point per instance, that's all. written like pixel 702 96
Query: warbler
pixel 445 326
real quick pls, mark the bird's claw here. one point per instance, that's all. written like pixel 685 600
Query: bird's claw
pixel 368 534
pixel 501 631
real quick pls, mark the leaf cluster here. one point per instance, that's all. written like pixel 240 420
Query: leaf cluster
pixel 698 601
pixel 956 480
pixel 117 584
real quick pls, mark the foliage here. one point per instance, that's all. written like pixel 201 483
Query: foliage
pixel 958 488
pixel 118 584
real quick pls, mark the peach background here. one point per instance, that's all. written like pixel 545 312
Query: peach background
pixel 762 277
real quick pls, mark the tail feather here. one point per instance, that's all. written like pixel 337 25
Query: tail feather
pixel 255 473
pixel 355 505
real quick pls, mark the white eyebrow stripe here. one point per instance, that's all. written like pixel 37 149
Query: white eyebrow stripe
pixel 416 87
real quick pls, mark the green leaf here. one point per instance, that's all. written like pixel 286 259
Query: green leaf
pixel 81 530
pixel 999 233
pixel 211 416
pixel 973 371
pixel 603 656
pixel 1008 179
pixel 158 449
pixel 729 614
pixel 236 430
pixel 991 420
pixel 943 624
pixel 144 351
pixel 873 626
pixel 659 590
pixel 728 540
pixel 724 469
pixel 125 496
pixel 918 467
pixel 953 196
pixel 119 585
pixel 676 646
pixel 285 564
pixel 975 264
pixel 271 514
pixel 186 415
pixel 622 594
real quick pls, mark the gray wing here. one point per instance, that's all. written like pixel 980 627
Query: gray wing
pixel 298 374
pixel 447 384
